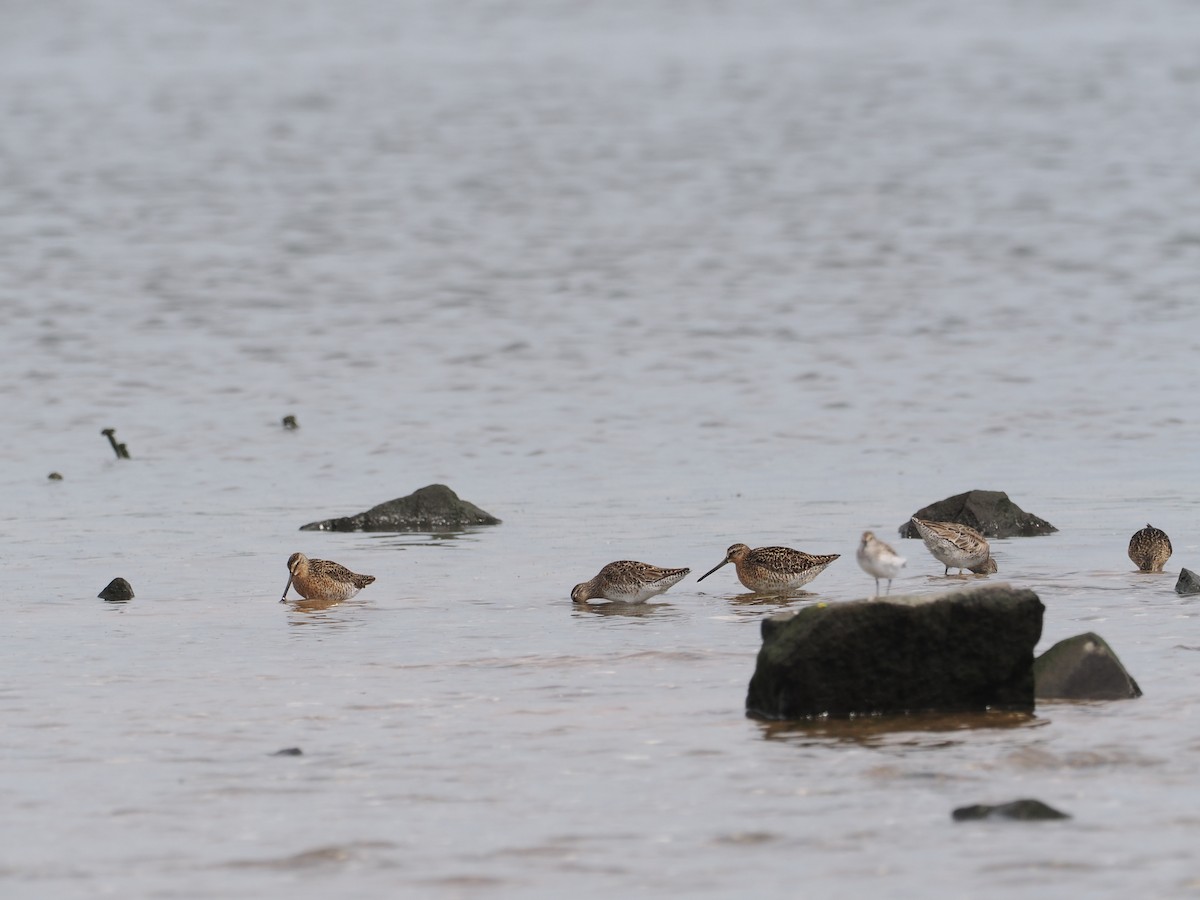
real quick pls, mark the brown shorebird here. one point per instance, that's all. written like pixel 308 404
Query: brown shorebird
pixel 627 581
pixel 320 579
pixel 773 569
pixel 956 546
pixel 1149 549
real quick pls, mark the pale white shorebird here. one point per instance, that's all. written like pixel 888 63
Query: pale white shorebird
pixel 956 546
pixel 627 581
pixel 879 560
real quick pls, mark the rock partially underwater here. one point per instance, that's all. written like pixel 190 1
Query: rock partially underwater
pixel 1018 810
pixel 990 513
pixel 117 591
pixel 966 650
pixel 1082 667
pixel 1187 583
pixel 432 508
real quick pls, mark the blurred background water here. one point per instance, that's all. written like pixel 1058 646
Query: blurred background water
pixel 643 280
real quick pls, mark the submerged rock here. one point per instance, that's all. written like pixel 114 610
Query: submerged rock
pixel 1188 583
pixel 431 508
pixel 990 513
pixel 117 591
pixel 1082 667
pixel 958 651
pixel 1018 810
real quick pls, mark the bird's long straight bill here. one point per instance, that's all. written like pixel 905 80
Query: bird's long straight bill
pixel 287 587
pixel 713 569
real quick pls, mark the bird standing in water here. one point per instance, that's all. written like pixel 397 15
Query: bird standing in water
pixel 956 546
pixel 879 560
pixel 320 579
pixel 1149 549
pixel 627 581
pixel 767 570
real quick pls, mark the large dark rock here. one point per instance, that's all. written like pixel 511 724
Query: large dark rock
pixel 964 650
pixel 1018 810
pixel 1188 582
pixel 1083 667
pixel 432 508
pixel 990 513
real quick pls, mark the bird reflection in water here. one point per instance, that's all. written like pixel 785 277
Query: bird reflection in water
pixel 330 613
pixel 785 599
pixel 625 610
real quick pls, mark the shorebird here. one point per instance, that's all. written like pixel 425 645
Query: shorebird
pixel 1149 549
pixel 320 579
pixel 627 581
pixel 879 560
pixel 773 569
pixel 956 546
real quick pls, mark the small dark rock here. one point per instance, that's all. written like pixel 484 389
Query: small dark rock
pixel 990 513
pixel 289 422
pixel 55 476
pixel 1017 810
pixel 1082 667
pixel 1188 583
pixel 289 751
pixel 117 591
pixel 959 651
pixel 431 508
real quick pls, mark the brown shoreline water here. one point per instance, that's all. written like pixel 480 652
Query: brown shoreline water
pixel 643 283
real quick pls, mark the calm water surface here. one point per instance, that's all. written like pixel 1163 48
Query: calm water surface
pixel 643 283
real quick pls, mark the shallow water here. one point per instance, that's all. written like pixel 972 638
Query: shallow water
pixel 643 284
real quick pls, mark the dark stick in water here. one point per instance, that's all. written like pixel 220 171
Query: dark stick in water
pixel 119 449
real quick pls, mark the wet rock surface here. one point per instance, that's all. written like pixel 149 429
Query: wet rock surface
pixel 966 650
pixel 431 508
pixel 1187 583
pixel 1082 667
pixel 1018 810
pixel 990 513
pixel 117 591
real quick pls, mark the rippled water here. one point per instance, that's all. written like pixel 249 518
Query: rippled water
pixel 643 283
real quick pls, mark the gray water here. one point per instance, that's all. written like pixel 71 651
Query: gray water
pixel 643 282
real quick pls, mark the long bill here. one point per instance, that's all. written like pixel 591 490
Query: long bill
pixel 286 588
pixel 713 569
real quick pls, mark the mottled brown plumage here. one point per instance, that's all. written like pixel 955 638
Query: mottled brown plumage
pixel 956 546
pixel 1149 549
pixel 627 581
pixel 773 569
pixel 320 579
